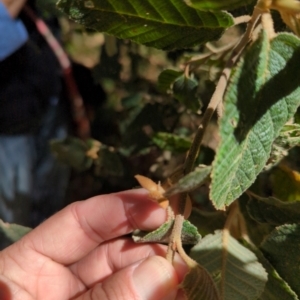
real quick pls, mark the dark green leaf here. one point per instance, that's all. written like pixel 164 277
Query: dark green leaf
pixel 207 222
pixel 281 248
pixel 263 95
pixel 144 116
pixel 189 235
pixel 166 79
pixel 184 90
pixel 72 151
pixel 132 101
pixel 235 269
pixel 108 163
pixel 168 24
pixel 217 5
pixel 288 138
pixel 256 231
pixel 285 183
pixel 276 288
pixel 273 211
pixel 190 181
pixel 172 142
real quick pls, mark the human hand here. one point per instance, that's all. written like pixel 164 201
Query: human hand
pixel 81 253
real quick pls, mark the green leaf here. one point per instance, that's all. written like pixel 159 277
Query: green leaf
pixel 217 5
pixel 108 163
pixel 184 90
pixel 276 288
pixel 288 138
pixel 166 79
pixel 72 151
pixel 281 248
pixel 273 211
pixel 190 181
pixel 207 222
pixel 132 101
pixel 189 235
pixel 12 232
pixel 263 95
pixel 172 142
pixel 168 24
pixel 256 231
pixel 235 269
pixel 140 117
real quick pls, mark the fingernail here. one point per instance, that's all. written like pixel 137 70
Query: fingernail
pixel 155 278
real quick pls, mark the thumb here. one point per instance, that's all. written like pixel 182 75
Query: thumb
pixel 153 278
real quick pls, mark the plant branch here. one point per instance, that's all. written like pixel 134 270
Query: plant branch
pixel 219 92
pixel 194 150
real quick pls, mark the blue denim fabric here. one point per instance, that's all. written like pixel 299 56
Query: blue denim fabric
pixel 32 181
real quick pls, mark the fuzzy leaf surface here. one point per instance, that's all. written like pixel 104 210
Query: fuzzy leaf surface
pixel 168 24
pixel 273 211
pixel 198 285
pixel 263 95
pixel 235 269
pixel 190 181
pixel 281 248
pixel 216 5
pixel 189 235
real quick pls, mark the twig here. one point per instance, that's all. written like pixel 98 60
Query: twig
pixel 219 92
pixel 242 19
pixel 195 147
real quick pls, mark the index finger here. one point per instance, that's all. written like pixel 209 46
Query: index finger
pixel 76 230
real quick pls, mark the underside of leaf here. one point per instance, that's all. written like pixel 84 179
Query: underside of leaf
pixel 168 24
pixel 235 269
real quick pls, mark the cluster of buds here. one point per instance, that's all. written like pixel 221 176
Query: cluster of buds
pixel 156 193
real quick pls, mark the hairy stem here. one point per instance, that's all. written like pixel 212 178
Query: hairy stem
pixel 175 241
pixel 219 92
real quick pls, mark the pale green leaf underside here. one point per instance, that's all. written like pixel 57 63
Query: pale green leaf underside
pixel 168 24
pixel 190 181
pixel 12 232
pixel 198 285
pixel 217 4
pixel 238 272
pixel 281 248
pixel 263 95
pixel 189 234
